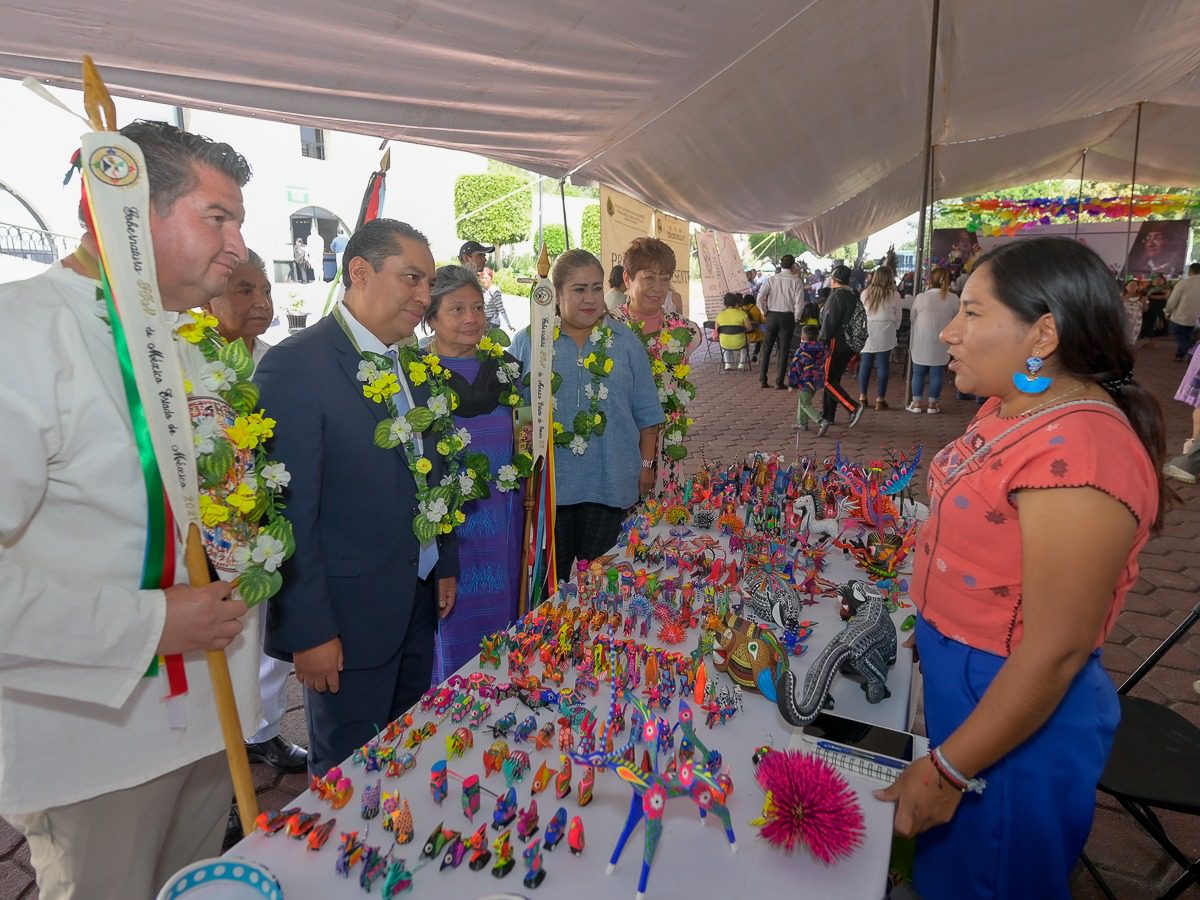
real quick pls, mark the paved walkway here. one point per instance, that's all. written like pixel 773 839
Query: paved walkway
pixel 735 416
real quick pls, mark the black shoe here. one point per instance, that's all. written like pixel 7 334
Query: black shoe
pixel 781 387
pixel 280 755
pixel 763 384
pixel 233 828
pixel 856 415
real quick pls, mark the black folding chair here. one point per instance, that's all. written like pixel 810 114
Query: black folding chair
pixel 710 329
pixel 1155 764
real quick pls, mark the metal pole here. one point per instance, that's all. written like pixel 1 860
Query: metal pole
pixel 1079 193
pixel 1137 138
pixel 919 262
pixel 562 193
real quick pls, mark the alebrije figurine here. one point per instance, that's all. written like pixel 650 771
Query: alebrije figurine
pixel 586 784
pixel 371 799
pixel 350 851
pixel 438 838
pixel 402 824
pixel 374 868
pixel 494 757
pixel 562 781
pixel 545 734
pixel 470 796
pixel 342 793
pixel 506 809
pixel 808 802
pixel 541 778
pixel 478 845
pixel 401 764
pixel 575 839
pixel 301 823
pixel 555 829
pixel 319 834
pixel 271 822
pixel 459 742
pixel 504 725
pixel 515 767
pixel 535 874
pixel 504 855
pixel 523 731
pixel 438 785
pixel 398 879
pixel 527 821
pixel 453 854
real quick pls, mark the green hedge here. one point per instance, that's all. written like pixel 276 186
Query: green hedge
pixel 556 240
pixel 506 222
pixel 589 229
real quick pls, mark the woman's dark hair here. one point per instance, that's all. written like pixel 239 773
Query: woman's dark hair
pixel 811 311
pixel 570 261
pixel 448 280
pixel 1069 281
pixel 733 300
pixel 616 277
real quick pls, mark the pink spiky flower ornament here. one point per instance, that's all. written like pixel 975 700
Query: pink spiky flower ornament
pixel 808 802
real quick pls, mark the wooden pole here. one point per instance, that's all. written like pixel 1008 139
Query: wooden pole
pixel 222 685
pixel 927 170
pixel 1137 140
pixel 530 499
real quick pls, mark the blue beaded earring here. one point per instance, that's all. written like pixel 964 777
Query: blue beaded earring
pixel 1030 382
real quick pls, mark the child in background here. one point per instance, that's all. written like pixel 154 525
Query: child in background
pixel 732 325
pixel 807 373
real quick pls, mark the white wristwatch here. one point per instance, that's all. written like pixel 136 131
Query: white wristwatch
pixel 647 464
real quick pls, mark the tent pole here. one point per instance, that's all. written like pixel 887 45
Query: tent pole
pixel 1079 193
pixel 1137 139
pixel 919 262
pixel 562 193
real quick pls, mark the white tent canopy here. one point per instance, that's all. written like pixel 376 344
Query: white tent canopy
pixel 758 115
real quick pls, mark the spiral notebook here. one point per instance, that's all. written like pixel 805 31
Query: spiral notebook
pixel 851 762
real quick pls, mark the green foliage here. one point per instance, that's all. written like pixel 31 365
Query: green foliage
pixel 589 229
pixel 556 237
pixel 507 221
pixel 774 244
pixel 506 280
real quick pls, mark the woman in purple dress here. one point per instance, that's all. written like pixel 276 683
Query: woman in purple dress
pixel 489 541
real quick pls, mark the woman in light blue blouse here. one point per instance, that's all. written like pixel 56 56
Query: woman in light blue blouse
pixel 606 414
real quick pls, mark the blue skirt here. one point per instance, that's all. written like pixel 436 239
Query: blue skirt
pixel 1023 835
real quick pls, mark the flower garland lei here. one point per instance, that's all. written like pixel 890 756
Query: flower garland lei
pixel 590 421
pixel 667 350
pixel 508 371
pixel 439 508
pixel 237 500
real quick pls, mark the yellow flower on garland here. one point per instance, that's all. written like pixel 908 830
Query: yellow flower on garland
pixel 424 466
pixel 681 370
pixel 657 367
pixel 261 426
pixel 418 373
pixel 194 331
pixel 212 513
pixel 443 448
pixel 608 366
pixel 382 387
pixel 243 499
pixel 596 419
pixel 187 385
pixel 558 429
pixel 242 434
pixel 589 360
pixel 459 517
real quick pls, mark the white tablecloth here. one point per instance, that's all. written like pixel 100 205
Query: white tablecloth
pixel 692 859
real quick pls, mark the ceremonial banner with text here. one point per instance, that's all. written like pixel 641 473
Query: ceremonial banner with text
pixel 721 269
pixel 621 220
pixel 675 233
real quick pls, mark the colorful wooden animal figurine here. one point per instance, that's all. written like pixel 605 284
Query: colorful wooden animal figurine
pixel 527 821
pixel 438 839
pixel 271 822
pixel 319 835
pixel 453 854
pixel 494 757
pixel 534 874
pixel 370 800
pixel 459 742
pixel 374 868
pixel 438 785
pixel 350 853
pixel 300 824
pixel 478 845
pixel 575 837
pixel 506 809
pixel 398 879
pixel 586 784
pixel 541 778
pixel 556 828
pixel 504 855
pixel 470 796
pixel 562 781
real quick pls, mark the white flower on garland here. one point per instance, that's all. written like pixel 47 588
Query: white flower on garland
pixel 508 372
pixel 367 371
pixel 436 510
pixel 276 476
pixel 447 480
pixel 400 429
pixel 673 346
pixel 439 406
pixel 682 396
pixel 598 338
pixel 663 394
pixel 604 392
pixel 464 436
pixel 205 431
pixel 578 445
pixel 265 550
pixel 217 377
pixel 506 477
pixel 466 484
pixel 672 437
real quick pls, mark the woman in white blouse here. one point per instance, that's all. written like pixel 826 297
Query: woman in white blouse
pixel 881 300
pixel 932 311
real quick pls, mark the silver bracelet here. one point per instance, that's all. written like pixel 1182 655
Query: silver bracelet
pixel 974 785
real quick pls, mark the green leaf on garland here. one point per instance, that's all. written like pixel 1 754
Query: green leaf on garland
pixel 425 530
pixel 237 357
pixel 675 451
pixel 599 428
pixel 583 422
pixel 419 417
pixel 213 466
pixel 480 464
pixel 383 435
pixel 281 530
pixel 243 396
pixel 498 336
pixel 256 584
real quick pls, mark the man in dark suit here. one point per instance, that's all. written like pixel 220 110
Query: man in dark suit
pixel 357 611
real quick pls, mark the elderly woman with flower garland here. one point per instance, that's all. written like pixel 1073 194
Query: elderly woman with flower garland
pixel 489 542
pixel 606 414
pixel 668 338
